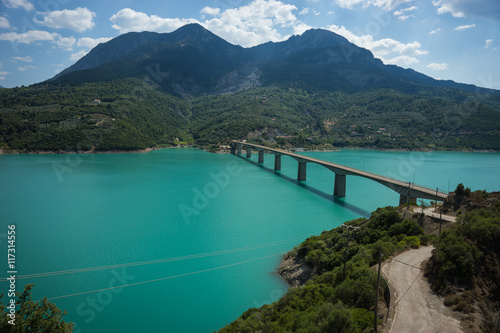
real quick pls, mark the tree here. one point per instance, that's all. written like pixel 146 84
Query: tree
pixel 30 316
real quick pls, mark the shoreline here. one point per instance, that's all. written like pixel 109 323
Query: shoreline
pixel 85 152
pixel 227 151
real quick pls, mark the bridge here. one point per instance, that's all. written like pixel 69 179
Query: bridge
pixel 408 192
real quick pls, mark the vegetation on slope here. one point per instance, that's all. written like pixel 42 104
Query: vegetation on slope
pixel 133 115
pixel 120 115
pixel 330 302
pixel 465 266
pixel 30 316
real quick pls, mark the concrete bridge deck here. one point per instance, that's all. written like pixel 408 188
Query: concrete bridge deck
pixel 408 192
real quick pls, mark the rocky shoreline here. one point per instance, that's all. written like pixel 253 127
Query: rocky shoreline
pixel 294 271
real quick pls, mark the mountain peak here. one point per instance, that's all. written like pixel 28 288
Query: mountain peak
pixel 194 60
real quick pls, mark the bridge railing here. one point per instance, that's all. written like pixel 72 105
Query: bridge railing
pixel 429 189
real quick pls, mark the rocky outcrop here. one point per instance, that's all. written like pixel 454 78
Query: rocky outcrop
pixel 294 271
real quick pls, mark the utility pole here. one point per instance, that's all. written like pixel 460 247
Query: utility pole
pixel 440 221
pixel 408 198
pixel 375 324
pixel 349 227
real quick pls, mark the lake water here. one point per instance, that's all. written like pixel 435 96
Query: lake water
pixel 206 232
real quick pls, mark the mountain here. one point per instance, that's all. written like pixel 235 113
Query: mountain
pixel 193 61
pixel 143 90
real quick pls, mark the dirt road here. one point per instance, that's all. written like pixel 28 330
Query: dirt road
pixel 414 307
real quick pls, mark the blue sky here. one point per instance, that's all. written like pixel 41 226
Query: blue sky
pixel 446 39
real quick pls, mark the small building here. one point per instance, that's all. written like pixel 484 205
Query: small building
pixel 97 101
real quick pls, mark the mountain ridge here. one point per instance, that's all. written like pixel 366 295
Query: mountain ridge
pixel 193 61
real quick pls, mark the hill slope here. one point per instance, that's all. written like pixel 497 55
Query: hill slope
pixel 193 61
pixel 316 89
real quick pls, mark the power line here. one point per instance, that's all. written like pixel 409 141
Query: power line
pixel 156 261
pixel 164 278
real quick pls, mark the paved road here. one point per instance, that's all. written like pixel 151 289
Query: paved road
pixel 430 212
pixel 414 307
pixel 397 185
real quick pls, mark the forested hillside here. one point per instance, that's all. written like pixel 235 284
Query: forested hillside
pixel 120 115
pixel 131 114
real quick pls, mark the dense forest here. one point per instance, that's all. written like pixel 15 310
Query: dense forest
pixel 465 266
pixel 131 114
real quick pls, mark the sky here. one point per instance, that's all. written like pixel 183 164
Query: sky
pixel 446 39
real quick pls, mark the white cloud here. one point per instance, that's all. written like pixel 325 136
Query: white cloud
pixel 304 11
pixel 29 36
pixel 247 25
pixel 3 74
pixel 488 44
pixel 210 11
pixel 437 67
pixel 403 15
pixel 255 23
pixel 87 43
pixel 446 6
pixel 66 43
pixel 387 5
pixel 127 20
pixel 90 43
pixel 464 27
pixel 4 23
pixel 390 51
pixel 469 8
pixel 403 60
pixel 25 68
pixel 405 10
pixel 23 59
pixel 18 3
pixel 80 54
pixel 34 36
pixel 79 19
pixel 435 31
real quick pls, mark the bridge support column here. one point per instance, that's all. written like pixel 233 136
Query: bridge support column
pixel 249 152
pixel 239 149
pixel 301 174
pixel 403 199
pixel 233 148
pixel 277 162
pixel 339 186
pixel 261 156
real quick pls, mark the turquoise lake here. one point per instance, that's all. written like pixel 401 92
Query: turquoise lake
pixel 198 235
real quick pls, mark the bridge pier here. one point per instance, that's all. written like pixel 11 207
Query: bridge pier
pixel 277 162
pixel 301 174
pixel 408 192
pixel 339 186
pixel 403 200
pixel 261 156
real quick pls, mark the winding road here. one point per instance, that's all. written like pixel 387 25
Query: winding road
pixel 414 307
